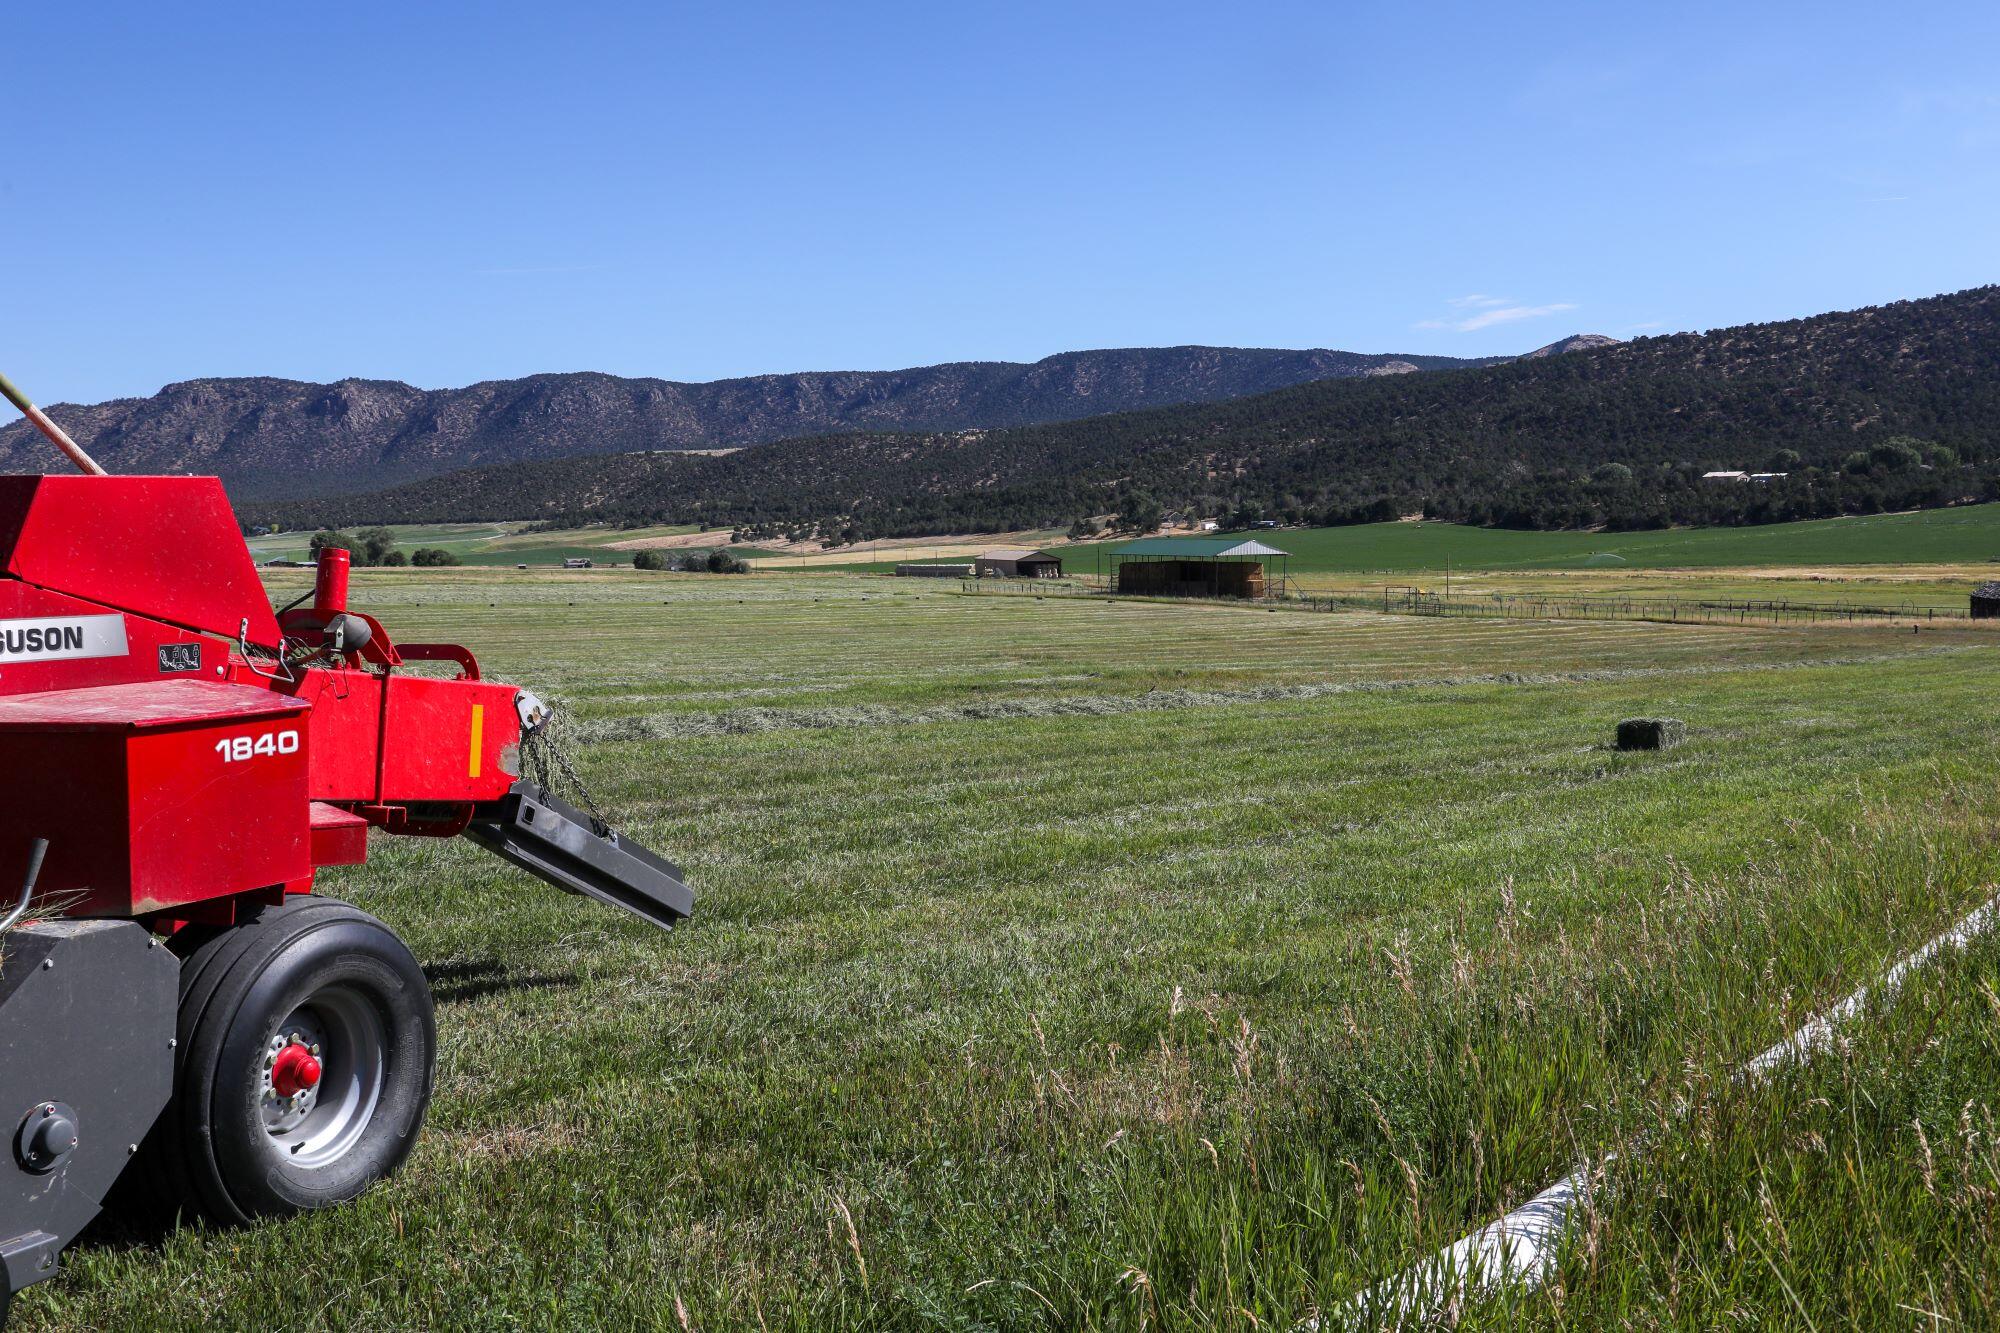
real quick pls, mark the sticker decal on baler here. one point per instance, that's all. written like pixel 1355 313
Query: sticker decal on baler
pixel 58 638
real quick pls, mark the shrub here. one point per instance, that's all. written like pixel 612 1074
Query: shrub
pixel 370 546
pixel 648 560
pixel 1896 454
pixel 711 561
pixel 330 537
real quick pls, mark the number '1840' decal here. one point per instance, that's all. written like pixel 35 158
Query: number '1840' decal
pixel 233 748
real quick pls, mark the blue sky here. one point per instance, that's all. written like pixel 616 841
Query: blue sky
pixel 445 193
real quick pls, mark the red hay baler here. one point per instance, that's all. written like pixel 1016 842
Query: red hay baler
pixel 182 1016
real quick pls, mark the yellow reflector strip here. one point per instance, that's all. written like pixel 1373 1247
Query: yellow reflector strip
pixel 478 735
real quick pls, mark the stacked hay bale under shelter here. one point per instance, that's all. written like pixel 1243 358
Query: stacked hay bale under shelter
pixel 1198 567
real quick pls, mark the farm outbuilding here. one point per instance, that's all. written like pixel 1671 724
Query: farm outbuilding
pixel 1010 562
pixel 1986 602
pixel 1198 567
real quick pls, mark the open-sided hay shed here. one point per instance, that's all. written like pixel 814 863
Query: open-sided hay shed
pixel 1197 567
pixel 1986 602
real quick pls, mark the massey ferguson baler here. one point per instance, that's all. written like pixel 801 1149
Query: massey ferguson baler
pixel 177 763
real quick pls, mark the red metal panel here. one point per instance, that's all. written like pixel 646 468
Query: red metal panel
pixel 155 795
pixel 165 547
pixel 346 725
pixel 23 607
pixel 449 740
pixel 68 787
pixel 142 706
pixel 206 823
pixel 338 838
pixel 422 750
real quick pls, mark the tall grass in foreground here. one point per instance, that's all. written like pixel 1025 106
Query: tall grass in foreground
pixel 1251 1225
pixel 1860 1191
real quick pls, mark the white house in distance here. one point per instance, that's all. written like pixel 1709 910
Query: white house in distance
pixel 1744 476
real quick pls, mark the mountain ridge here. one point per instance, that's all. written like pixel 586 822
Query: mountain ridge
pixel 1881 407
pixel 270 437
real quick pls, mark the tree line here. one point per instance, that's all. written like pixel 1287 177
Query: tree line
pixel 376 547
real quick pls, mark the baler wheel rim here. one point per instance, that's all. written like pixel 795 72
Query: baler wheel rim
pixel 342 1023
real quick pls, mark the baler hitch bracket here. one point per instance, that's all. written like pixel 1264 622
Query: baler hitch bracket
pixel 575 851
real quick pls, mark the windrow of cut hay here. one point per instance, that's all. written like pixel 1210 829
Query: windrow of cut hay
pixel 745 721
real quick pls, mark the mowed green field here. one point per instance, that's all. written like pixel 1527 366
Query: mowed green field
pixel 1969 535
pixel 496 544
pixel 1103 964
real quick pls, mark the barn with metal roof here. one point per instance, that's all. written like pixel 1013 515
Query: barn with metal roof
pixel 1015 562
pixel 1199 567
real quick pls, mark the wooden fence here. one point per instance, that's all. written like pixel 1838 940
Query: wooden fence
pixel 1672 610
pixel 1411 601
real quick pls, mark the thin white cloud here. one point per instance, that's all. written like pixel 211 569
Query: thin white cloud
pixel 1482 312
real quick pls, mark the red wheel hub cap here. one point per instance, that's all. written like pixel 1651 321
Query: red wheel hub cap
pixel 294 1071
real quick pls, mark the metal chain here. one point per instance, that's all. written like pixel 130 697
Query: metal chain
pixel 545 754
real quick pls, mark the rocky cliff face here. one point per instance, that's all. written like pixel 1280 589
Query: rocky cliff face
pixel 1576 342
pixel 281 438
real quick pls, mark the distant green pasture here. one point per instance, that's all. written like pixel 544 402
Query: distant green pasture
pixel 496 543
pixel 1970 535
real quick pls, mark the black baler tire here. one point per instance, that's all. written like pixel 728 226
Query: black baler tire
pixel 165 1186
pixel 237 989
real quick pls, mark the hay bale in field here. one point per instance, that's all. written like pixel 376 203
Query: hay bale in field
pixel 1651 733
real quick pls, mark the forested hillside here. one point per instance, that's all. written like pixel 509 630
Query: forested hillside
pixel 1895 406
pixel 274 438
